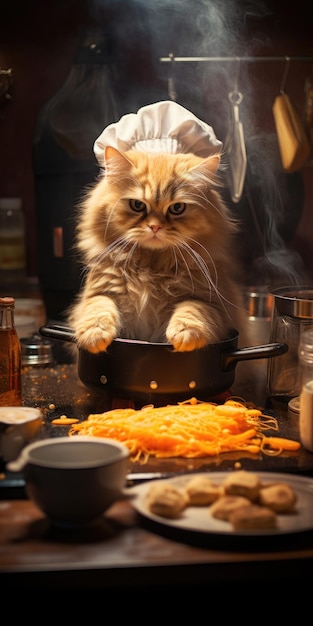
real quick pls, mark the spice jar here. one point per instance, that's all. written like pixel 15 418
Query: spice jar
pixel 37 367
pixel 306 394
pixel 10 356
pixel 12 244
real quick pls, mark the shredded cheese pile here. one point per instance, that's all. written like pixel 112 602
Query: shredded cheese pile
pixel 189 429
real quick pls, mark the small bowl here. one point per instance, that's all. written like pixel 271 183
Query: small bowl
pixel 73 480
pixel 18 426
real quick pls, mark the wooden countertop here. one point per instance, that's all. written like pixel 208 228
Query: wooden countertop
pixel 126 551
pixel 120 552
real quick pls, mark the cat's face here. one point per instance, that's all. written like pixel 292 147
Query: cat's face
pixel 154 201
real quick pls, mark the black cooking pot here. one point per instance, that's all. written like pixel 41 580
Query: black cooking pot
pixel 154 373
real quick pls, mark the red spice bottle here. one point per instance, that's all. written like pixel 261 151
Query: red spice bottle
pixel 10 356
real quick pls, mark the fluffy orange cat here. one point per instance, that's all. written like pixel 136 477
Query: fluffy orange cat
pixel 157 244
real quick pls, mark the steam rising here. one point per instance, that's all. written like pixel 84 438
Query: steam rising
pixel 186 27
pixel 145 31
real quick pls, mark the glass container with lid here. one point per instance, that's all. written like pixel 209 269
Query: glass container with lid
pixel 292 316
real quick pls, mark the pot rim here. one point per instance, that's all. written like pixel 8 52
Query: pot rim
pixel 295 301
pixel 233 334
pixel 65 333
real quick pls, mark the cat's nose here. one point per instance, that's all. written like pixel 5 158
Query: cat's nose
pixel 155 227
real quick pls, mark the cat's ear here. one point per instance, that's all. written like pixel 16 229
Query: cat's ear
pixel 212 163
pixel 111 153
pixel 207 165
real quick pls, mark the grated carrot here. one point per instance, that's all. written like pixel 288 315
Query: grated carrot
pixel 277 444
pixel 189 429
pixel 64 420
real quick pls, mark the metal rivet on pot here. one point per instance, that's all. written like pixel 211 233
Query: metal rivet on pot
pixel 192 384
pixel 103 379
pixel 153 384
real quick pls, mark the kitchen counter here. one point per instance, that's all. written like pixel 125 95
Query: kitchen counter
pixel 125 550
pixel 121 553
pixel 58 391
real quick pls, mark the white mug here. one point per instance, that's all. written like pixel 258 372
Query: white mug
pixel 18 426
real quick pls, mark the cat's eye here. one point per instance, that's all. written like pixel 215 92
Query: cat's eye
pixel 177 208
pixel 137 205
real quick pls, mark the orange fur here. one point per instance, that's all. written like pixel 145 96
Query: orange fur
pixel 157 243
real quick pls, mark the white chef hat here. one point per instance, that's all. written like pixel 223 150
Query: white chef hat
pixel 160 127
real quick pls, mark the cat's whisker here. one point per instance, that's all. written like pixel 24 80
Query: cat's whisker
pixel 197 258
pixel 201 264
pixel 177 247
pixel 200 197
pixel 108 221
pixel 206 251
pixel 117 247
pixel 213 284
pixel 176 262
pixel 130 254
pixel 197 194
pixel 83 274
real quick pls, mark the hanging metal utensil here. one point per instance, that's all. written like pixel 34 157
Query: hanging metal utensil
pixel 170 81
pixel 234 144
pixel 235 149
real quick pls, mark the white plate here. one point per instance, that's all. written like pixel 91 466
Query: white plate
pixel 199 521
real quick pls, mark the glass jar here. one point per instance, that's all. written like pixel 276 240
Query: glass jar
pixel 306 394
pixel 12 243
pixel 292 316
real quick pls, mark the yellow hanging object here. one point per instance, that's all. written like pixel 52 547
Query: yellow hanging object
pixel 293 143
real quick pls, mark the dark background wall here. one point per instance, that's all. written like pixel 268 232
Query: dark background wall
pixel 38 41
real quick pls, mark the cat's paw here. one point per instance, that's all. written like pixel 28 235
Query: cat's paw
pixel 95 322
pixel 187 339
pixel 94 339
pixel 192 326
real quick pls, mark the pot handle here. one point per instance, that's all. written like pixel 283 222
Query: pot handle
pixel 229 359
pixel 56 331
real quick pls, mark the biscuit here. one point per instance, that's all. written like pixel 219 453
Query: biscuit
pixel 242 483
pixel 279 497
pixel 225 505
pixel 167 500
pixel 202 491
pixel 252 517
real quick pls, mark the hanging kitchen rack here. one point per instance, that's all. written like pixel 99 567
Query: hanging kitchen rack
pixel 235 144
pixel 246 59
pixel 233 59
pixel 236 122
